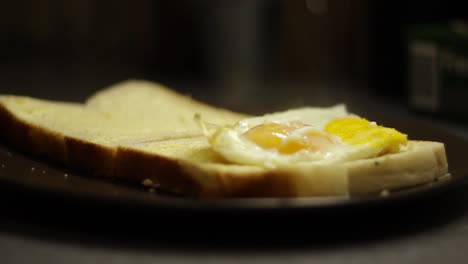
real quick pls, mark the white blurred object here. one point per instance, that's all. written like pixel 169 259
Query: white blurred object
pixel 317 7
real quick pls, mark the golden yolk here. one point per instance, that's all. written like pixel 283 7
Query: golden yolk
pixel 358 131
pixel 312 140
pixel 273 136
pixel 351 130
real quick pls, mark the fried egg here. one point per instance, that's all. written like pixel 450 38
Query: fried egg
pixel 305 135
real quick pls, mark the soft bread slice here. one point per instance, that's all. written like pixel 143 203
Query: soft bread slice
pixel 191 166
pixel 86 136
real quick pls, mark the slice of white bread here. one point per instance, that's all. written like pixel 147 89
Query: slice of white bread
pixel 143 132
pixel 87 136
pixel 202 171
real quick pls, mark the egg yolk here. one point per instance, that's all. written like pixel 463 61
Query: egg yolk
pixel 313 140
pixel 275 136
pixel 271 135
pixel 351 130
pixel 359 131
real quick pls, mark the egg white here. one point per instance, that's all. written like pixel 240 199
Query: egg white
pixel 230 143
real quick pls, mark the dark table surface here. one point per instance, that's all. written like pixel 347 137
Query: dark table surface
pixel 37 228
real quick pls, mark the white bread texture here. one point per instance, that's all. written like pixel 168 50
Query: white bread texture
pixel 141 131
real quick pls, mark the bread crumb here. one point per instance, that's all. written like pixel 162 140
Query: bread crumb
pixel 385 193
pixel 65 176
pixel 149 183
pixel 32 168
pixel 445 177
pixel 43 171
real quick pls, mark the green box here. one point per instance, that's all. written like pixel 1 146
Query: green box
pixel 438 68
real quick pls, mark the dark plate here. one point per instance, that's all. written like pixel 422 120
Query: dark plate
pixel 29 175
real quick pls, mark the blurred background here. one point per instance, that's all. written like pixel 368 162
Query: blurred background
pixel 247 55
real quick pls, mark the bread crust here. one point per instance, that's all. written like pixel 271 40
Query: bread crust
pixel 13 131
pixel 32 139
pixel 89 157
pixel 423 162
pixel 48 144
pixel 191 179
pixel 167 174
